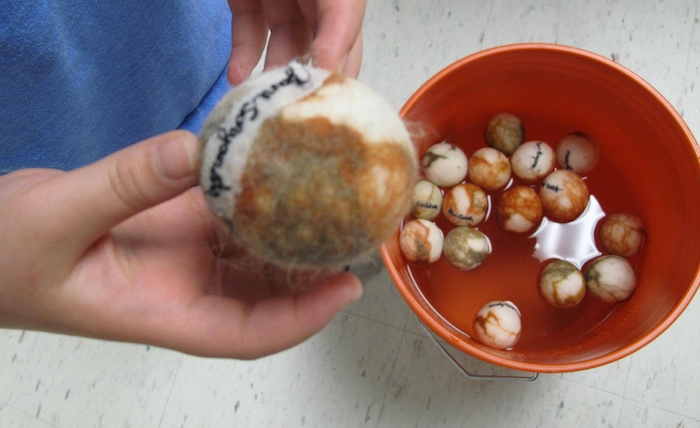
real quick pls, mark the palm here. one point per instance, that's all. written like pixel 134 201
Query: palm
pixel 181 247
pixel 162 256
pixel 169 274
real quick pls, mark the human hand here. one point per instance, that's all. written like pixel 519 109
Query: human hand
pixel 330 30
pixel 125 249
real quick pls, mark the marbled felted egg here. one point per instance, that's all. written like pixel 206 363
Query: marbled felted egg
pixel 308 168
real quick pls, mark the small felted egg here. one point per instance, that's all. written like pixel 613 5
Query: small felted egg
pixel 504 132
pixel 444 164
pixel 308 168
pixel 465 204
pixel 427 200
pixel 489 169
pixel 610 278
pixel 519 210
pixel 621 234
pixel 466 248
pixel 421 241
pixel 577 152
pixel 533 161
pixel 564 195
pixel 498 324
pixel 562 284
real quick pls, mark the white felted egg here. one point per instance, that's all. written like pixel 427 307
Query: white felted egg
pixel 498 324
pixel 308 168
pixel 427 200
pixel 532 161
pixel 562 284
pixel 577 152
pixel 421 241
pixel 610 278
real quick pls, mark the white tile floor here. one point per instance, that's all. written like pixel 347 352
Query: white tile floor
pixel 374 366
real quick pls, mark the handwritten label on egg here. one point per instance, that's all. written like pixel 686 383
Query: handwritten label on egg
pixel 247 112
pixel 227 147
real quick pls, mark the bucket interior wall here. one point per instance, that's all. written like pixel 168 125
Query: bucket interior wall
pixel 641 138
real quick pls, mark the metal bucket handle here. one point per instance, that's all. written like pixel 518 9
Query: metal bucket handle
pixel 466 372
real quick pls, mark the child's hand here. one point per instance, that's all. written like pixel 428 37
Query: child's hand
pixel 328 30
pixel 125 249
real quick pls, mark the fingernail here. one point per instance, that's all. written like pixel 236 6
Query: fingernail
pixel 176 157
pixel 354 289
pixel 237 74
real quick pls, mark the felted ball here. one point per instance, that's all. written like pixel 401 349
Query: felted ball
pixel 610 278
pixel 427 200
pixel 466 248
pixel 465 204
pixel 533 160
pixel 498 324
pixel 307 168
pixel 564 195
pixel 562 284
pixel 504 132
pixel 421 241
pixel 519 210
pixel 577 152
pixel 621 234
pixel 489 169
pixel 444 164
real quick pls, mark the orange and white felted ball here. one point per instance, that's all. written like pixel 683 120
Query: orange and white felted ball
pixel 308 168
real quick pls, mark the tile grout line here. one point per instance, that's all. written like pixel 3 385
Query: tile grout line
pixel 366 318
pixel 663 409
pixel 390 378
pixel 47 423
pixel 170 392
pixel 624 397
pixel 565 379
pixel 624 391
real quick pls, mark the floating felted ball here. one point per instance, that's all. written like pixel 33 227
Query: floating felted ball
pixel 308 168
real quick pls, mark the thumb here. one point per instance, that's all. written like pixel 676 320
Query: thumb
pixel 104 194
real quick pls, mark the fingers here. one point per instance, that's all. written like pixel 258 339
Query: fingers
pixel 337 44
pixel 99 196
pixel 327 29
pixel 248 38
pixel 290 32
pixel 246 331
pixel 352 63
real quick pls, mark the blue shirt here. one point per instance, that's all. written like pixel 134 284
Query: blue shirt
pixel 80 79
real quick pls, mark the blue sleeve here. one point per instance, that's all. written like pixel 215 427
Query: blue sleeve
pixel 81 79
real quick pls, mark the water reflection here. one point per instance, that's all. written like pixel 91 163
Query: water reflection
pixel 573 241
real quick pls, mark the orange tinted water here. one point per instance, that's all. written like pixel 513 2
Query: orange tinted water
pixel 511 271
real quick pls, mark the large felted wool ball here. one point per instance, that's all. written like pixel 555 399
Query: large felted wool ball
pixel 308 168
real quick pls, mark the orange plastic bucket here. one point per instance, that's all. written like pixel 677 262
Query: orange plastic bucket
pixel 649 166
